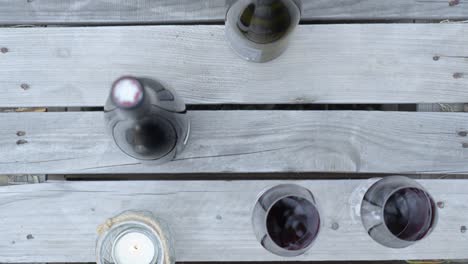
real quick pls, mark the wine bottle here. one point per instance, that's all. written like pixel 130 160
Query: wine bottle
pixel 146 120
pixel 259 30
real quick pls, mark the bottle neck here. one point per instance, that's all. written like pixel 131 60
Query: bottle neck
pixel 137 112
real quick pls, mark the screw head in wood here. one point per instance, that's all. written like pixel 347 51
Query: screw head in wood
pixel 25 86
pixel 463 229
pixel 440 205
pixel 335 226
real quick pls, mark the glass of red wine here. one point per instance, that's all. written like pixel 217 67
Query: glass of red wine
pixel 397 212
pixel 259 30
pixel 286 220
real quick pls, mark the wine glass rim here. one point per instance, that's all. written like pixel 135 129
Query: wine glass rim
pixel 428 199
pixel 310 200
pixel 318 219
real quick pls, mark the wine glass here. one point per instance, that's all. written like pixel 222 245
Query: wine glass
pixel 397 212
pixel 286 220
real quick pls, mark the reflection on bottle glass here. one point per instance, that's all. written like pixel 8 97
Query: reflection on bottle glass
pixel 397 212
pixel 152 136
pixel 293 223
pixel 265 21
pixel 258 30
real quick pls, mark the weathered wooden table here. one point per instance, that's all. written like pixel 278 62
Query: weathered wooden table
pixel 250 122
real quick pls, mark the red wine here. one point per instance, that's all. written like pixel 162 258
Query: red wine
pixel 397 212
pixel 293 223
pixel 408 214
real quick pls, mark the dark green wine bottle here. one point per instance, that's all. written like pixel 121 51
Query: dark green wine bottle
pixel 258 30
pixel 147 120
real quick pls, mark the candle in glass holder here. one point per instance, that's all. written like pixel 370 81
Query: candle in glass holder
pixel 134 248
pixel 134 237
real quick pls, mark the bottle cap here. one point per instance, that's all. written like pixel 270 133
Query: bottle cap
pixel 127 92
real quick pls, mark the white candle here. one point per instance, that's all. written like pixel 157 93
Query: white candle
pixel 133 248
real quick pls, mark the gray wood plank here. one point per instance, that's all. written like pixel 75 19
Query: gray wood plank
pixel 379 63
pixel 211 220
pixel 193 11
pixel 245 142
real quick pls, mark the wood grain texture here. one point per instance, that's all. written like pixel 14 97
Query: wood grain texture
pixel 193 11
pixel 247 142
pixel 384 63
pixel 210 220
